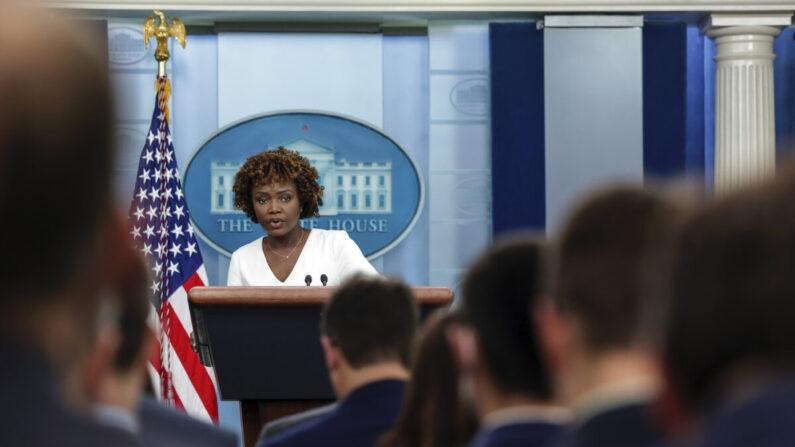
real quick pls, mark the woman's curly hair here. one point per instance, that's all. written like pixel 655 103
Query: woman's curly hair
pixel 280 165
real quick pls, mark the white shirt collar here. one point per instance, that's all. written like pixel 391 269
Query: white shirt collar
pixel 118 417
pixel 526 413
pixel 613 395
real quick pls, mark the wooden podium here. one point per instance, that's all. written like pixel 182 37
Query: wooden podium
pixel 264 343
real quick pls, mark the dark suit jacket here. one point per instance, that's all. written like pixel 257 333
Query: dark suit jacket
pixel 167 427
pixel 281 425
pixel 359 420
pixel 32 413
pixel 523 434
pixel 765 420
pixel 623 426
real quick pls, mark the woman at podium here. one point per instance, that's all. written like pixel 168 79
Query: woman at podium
pixel 276 189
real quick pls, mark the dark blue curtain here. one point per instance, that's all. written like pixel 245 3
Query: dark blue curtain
pixel 665 100
pixel 517 127
pixel 784 79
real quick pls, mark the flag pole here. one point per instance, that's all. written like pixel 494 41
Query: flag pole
pixel 162 231
pixel 162 31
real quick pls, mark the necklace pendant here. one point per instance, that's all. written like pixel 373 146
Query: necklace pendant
pixel 291 251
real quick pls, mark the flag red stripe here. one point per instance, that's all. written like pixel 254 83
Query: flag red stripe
pixel 193 281
pixel 188 377
pixel 193 368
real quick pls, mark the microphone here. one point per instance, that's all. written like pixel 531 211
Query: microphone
pixel 323 279
pixel 308 279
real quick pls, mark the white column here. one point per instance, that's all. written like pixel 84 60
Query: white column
pixel 745 141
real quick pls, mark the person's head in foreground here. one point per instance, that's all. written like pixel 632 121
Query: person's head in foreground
pixel 58 233
pixel 592 326
pixel 729 346
pixel 54 139
pixel 368 326
pixel 497 350
pixel 118 374
pixel 433 413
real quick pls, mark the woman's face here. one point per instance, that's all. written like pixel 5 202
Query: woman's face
pixel 277 207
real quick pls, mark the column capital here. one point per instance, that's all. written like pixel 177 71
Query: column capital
pixel 744 43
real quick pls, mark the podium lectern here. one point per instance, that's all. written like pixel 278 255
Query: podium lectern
pixel 264 343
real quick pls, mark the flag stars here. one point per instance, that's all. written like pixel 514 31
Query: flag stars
pixel 160 218
pixel 175 250
pixel 178 210
pixel 190 248
pixel 159 215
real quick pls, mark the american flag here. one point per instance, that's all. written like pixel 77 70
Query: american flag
pixel 160 228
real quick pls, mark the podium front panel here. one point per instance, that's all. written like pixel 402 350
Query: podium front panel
pixel 267 352
pixel 264 342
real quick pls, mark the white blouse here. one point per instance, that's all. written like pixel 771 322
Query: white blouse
pixel 329 252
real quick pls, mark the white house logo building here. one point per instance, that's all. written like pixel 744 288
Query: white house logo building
pixel 351 187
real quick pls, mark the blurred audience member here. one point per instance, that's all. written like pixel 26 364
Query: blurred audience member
pixel 122 349
pixel 281 425
pixel 57 233
pixel 730 342
pixel 368 326
pixel 497 352
pixel 433 414
pixel 117 390
pixel 169 427
pixel 591 330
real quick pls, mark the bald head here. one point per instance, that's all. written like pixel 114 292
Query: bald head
pixel 55 154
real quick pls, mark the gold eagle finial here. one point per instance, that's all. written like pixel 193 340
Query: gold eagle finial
pixel 162 31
